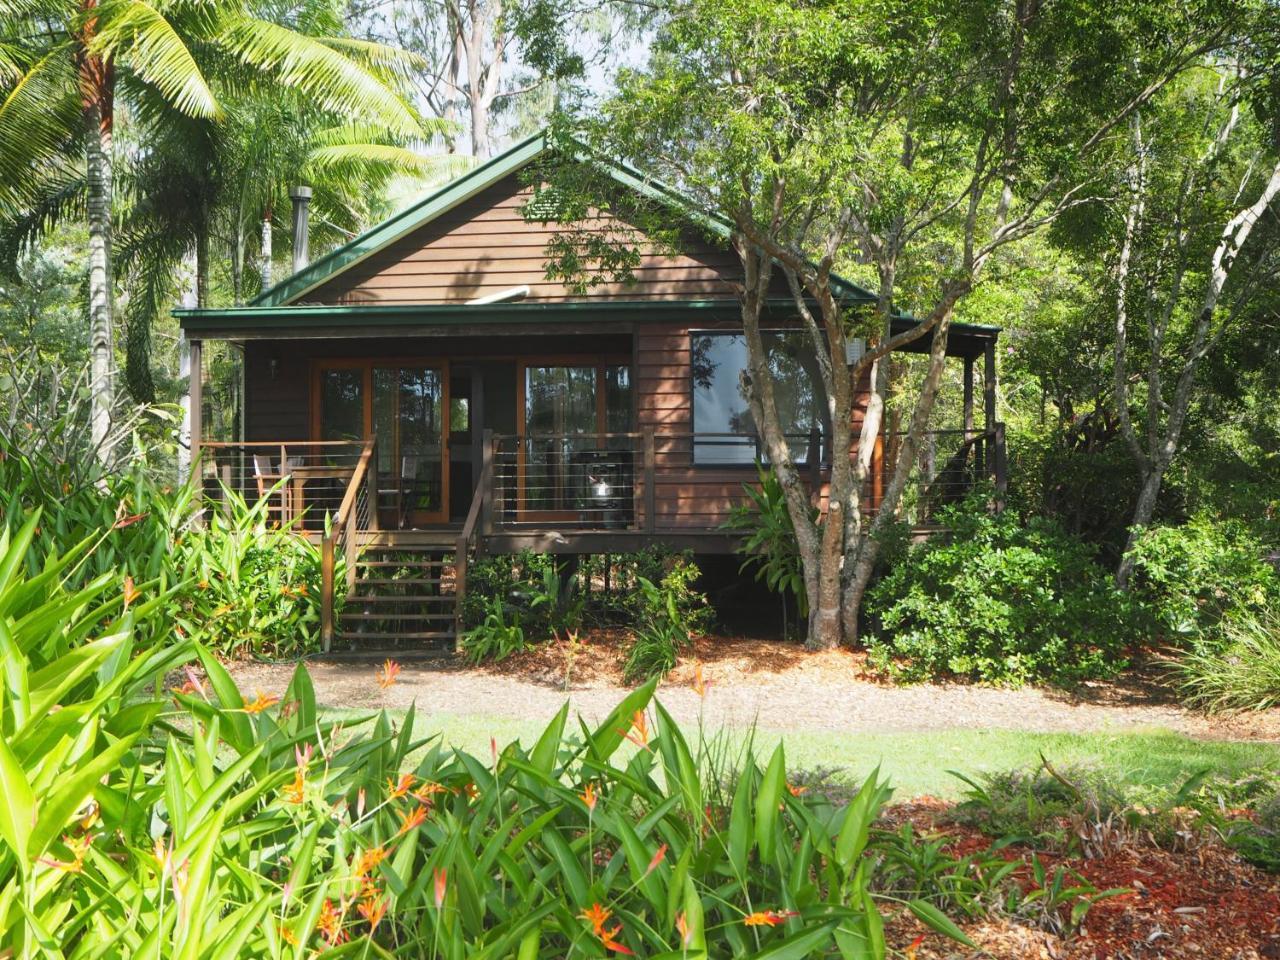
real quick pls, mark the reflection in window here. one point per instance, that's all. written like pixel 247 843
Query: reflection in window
pixel 560 400
pixel 725 432
pixel 341 404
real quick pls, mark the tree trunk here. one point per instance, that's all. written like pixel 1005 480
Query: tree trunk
pixel 265 264
pixel 1142 513
pixel 98 155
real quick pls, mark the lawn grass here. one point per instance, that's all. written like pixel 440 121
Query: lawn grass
pixel 917 763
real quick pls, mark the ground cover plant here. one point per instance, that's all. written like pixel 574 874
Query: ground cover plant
pixel 515 601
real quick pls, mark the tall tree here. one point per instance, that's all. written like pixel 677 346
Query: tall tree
pixel 1195 243
pixel 910 141
pixel 59 81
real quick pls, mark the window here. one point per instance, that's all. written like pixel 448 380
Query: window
pixel 724 431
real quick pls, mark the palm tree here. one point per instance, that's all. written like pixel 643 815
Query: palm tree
pixel 203 185
pixel 64 62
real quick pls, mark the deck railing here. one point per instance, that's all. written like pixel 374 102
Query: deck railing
pixel 948 466
pixel 357 512
pixel 303 481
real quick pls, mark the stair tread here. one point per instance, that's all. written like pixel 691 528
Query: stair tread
pixel 409 564
pixel 397 615
pixel 427 635
pixel 407 581
pixel 437 600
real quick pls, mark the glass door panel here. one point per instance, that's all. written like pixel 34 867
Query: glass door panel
pixel 561 418
pixel 410 416
pixel 342 404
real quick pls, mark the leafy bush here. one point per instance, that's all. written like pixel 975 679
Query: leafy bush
pixel 202 824
pixel 769 544
pixel 670 612
pixel 1200 578
pixel 1000 601
pixel 1242 674
pixel 497 637
pixel 252 588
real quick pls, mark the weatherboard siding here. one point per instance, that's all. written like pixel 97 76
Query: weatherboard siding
pixel 484 246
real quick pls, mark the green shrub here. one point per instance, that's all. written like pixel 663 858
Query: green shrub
pixel 251 588
pixel 769 539
pixel 669 613
pixel 497 637
pixel 1243 673
pixel 196 823
pixel 1000 601
pixel 1199 578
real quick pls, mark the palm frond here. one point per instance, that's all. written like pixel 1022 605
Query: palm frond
pixel 137 34
pixel 336 81
pixel 61 199
pixel 38 120
pixel 393 159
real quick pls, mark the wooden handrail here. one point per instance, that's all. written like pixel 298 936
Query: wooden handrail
pixel 462 547
pixel 337 531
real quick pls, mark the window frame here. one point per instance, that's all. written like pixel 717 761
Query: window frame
pixel 761 457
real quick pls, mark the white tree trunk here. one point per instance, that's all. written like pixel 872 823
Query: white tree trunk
pixel 264 264
pixel 102 362
pixel 188 302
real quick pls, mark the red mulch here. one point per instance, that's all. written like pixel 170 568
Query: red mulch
pixel 1201 901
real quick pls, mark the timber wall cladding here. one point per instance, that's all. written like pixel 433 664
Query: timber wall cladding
pixel 686 496
pixel 484 246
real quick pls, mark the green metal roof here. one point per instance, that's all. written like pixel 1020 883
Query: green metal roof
pixel 464 188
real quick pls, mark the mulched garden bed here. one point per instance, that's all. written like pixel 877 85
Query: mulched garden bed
pixel 1200 900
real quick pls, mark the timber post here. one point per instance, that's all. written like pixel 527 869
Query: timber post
pixel 650 491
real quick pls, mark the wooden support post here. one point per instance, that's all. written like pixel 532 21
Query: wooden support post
pixel 989 405
pixel 488 476
pixel 650 491
pixel 371 487
pixel 978 450
pixel 195 394
pixel 1001 467
pixel 326 592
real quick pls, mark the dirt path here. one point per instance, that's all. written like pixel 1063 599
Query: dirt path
pixel 780 687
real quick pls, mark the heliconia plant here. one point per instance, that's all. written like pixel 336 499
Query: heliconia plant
pixel 153 811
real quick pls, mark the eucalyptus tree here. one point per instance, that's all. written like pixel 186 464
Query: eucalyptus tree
pixel 915 143
pixel 1194 244
pixel 64 64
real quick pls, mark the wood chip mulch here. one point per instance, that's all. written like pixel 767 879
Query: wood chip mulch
pixel 1201 902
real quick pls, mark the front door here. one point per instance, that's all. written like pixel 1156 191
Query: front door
pixel 407 406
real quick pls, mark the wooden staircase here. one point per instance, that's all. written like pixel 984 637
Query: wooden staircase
pixel 403 600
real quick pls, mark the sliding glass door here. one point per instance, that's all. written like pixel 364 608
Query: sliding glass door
pixel 574 418
pixel 407 407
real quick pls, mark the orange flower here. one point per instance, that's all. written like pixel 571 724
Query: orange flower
pixel 910 953
pixel 413 818
pixel 287 935
pixel 294 792
pixel 372 909
pixel 387 676
pixel 608 940
pixel 262 703
pixel 441 885
pixel 699 686
pixel 79 850
pixel 797 791
pixel 588 796
pixel 639 732
pixel 397 790
pixel 597 916
pixel 471 790
pixel 124 521
pixel 682 927
pixel 426 791
pixel 330 923
pixel 369 859
pixel 657 859
pixel 130 594
pixel 768 918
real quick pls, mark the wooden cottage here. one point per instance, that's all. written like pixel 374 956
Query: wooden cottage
pixel 425 394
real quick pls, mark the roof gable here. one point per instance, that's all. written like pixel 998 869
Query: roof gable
pixel 468 239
